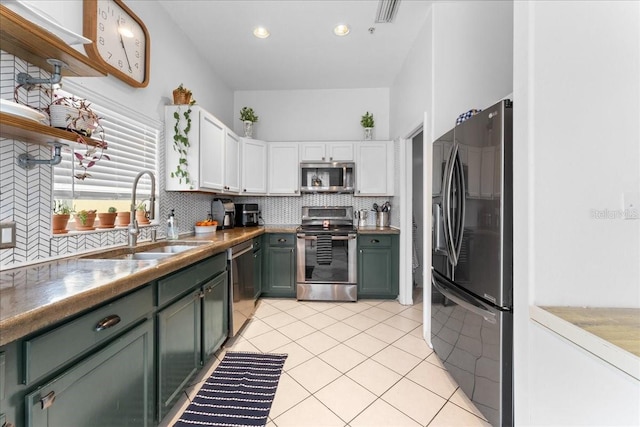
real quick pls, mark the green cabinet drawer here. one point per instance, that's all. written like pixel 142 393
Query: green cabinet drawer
pixel 279 239
pixel 114 387
pixel 374 240
pixel 176 284
pixel 51 350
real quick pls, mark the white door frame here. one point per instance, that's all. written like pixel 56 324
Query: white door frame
pixel 406 223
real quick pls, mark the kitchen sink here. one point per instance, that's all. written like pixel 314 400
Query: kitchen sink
pixel 148 251
pixel 144 255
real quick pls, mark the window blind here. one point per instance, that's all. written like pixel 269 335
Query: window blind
pixel 132 141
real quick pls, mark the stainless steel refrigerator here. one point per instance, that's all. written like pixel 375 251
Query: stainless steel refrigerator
pixel 472 241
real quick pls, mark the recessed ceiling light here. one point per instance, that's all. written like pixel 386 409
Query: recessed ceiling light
pixel 261 32
pixel 341 30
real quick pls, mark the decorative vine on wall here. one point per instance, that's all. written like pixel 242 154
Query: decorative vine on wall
pixel 181 145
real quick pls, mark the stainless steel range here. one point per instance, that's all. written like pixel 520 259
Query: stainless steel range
pixel 326 254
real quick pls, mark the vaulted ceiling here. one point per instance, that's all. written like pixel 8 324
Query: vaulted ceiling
pixel 302 51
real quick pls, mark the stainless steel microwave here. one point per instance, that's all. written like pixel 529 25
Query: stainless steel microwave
pixel 327 177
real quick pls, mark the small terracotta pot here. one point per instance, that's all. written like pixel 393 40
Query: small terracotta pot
pixel 107 219
pixel 141 217
pixel 59 223
pixel 181 98
pixel 88 222
pixel 123 218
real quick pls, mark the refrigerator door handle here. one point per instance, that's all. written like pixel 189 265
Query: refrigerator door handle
pixel 446 206
pixel 461 198
pixel 441 283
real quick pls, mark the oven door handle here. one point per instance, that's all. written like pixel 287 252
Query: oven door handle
pixel 349 237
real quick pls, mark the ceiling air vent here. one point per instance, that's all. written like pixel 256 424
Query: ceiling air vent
pixel 387 10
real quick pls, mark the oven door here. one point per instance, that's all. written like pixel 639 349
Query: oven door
pixel 326 267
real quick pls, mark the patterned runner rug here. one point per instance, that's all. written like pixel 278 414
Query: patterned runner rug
pixel 238 393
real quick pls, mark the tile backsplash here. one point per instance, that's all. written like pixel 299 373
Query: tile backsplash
pixel 26 196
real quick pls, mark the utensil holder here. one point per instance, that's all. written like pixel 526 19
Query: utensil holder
pixel 382 219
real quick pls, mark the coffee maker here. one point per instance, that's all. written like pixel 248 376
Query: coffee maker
pixel 223 211
pixel 247 214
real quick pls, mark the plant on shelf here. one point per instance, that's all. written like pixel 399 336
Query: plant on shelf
pixel 75 115
pixel 85 219
pixel 181 144
pixel 108 219
pixel 368 124
pixel 141 213
pixel 182 96
pixel 60 218
pixel 248 117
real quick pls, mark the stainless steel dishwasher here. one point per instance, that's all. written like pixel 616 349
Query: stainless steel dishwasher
pixel 242 301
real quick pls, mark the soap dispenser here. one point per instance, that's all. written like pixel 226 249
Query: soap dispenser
pixel 172 226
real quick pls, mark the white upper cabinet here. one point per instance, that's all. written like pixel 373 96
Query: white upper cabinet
pixel 232 163
pixel 326 151
pixel 212 141
pixel 283 169
pixel 200 165
pixel 374 168
pixel 253 166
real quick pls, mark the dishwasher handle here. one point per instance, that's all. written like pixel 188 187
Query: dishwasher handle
pixel 241 249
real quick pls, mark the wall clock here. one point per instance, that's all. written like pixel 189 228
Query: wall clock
pixel 120 40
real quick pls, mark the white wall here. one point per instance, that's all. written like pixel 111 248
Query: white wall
pixel 577 148
pixel 410 95
pixel 472 58
pixel 313 115
pixel 172 63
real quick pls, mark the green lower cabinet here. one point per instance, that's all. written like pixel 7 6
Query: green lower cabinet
pixel 279 275
pixel 378 265
pixel 215 308
pixel 179 348
pixel 113 387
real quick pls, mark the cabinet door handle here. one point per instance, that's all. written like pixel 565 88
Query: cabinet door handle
pixel 108 322
pixel 282 240
pixel 48 400
pixel 375 241
pixel 245 190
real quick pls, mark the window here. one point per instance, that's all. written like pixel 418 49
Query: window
pixel 132 141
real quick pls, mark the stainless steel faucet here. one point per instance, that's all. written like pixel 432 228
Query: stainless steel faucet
pixel 133 229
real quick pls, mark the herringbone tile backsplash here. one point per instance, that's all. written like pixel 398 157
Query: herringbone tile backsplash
pixel 26 196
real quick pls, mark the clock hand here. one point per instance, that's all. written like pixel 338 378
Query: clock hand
pixel 126 55
pixel 125 52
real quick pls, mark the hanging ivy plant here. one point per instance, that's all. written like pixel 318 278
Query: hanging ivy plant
pixel 181 145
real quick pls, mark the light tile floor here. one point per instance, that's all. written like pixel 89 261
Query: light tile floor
pixel 350 364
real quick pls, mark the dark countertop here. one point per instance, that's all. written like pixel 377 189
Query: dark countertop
pixel 38 295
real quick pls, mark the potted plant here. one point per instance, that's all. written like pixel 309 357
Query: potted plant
pixel 367 123
pixel 123 218
pixel 249 118
pixel 75 115
pixel 85 219
pixel 108 219
pixel 60 218
pixel 182 95
pixel 141 214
